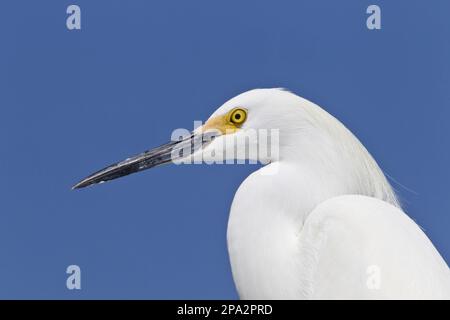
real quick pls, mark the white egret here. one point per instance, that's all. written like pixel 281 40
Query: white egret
pixel 319 220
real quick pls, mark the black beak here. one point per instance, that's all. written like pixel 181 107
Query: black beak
pixel 169 152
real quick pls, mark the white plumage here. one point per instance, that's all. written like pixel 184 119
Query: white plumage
pixel 318 227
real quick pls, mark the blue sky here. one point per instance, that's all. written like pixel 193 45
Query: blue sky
pixel 74 101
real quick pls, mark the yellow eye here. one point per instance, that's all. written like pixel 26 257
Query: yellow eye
pixel 237 116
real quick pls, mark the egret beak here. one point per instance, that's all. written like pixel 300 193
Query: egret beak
pixel 170 152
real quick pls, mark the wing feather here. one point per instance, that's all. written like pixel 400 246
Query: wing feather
pixel 359 247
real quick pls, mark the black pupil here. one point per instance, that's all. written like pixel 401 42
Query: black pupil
pixel 237 116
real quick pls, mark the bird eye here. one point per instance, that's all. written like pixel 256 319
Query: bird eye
pixel 237 116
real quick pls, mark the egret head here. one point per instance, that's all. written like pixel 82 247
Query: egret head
pixel 244 128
